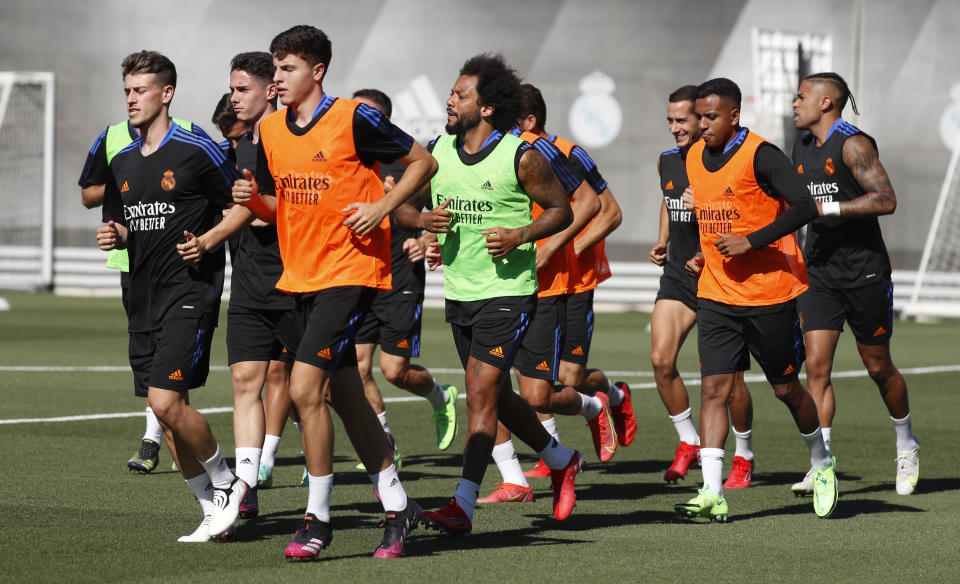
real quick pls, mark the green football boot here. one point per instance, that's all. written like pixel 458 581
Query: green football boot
pixel 825 492
pixel 445 418
pixel 706 504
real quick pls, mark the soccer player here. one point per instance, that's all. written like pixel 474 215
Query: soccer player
pixel 752 272
pixel 675 309
pixel 93 179
pixel 847 261
pixel 316 168
pixel 394 319
pixel 556 266
pixel 166 186
pixel 481 198
pixel 232 129
pixel 591 268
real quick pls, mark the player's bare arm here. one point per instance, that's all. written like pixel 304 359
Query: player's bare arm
pixel 541 185
pixel 92 196
pixel 658 254
pixel 606 221
pixel 246 192
pixel 193 249
pixel 863 161
pixel 585 205
pixel 421 166
pixel 408 215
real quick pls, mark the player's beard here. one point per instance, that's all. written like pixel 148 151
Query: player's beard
pixel 464 123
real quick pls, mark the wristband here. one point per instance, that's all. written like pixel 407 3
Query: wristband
pixel 831 208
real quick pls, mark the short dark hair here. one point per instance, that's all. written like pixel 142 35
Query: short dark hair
pixel 378 97
pixel 307 42
pixel 497 86
pixel 531 103
pixel 257 64
pixel 685 93
pixel 224 117
pixel 720 86
pixel 150 62
pixel 839 84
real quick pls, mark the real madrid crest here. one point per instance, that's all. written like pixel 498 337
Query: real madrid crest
pixel 828 166
pixel 168 182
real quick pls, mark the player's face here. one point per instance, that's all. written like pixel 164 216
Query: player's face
pixel 249 96
pixel 296 79
pixel 684 123
pixel 463 106
pixel 236 132
pixel 145 97
pixel 719 118
pixel 807 109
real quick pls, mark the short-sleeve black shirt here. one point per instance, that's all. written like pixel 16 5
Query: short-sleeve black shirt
pixel 684 242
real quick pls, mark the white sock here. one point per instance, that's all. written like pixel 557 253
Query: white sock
pixel 269 454
pixel 154 431
pixel 217 468
pixel 615 394
pixel 744 444
pixel 818 451
pixel 299 427
pixel 318 498
pixel 556 455
pixel 509 465
pixel 550 425
pixel 203 491
pixel 437 396
pixel 906 441
pixel 826 437
pixel 466 496
pixel 683 422
pixel 382 416
pixel 248 464
pixel 590 406
pixel 392 495
pixel 711 461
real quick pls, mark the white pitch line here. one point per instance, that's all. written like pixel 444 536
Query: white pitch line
pixel 693 381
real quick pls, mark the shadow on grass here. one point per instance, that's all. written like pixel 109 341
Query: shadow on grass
pixel 588 521
pixel 425 543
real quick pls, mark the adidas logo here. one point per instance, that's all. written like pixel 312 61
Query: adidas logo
pixel 729 193
pixel 669 186
pixel 125 187
pixel 319 157
pixel 497 352
pixel 324 354
pixel 403 344
pixel 419 110
pixel 577 351
pixel 245 461
pixel 800 169
pixel 788 370
pixel 394 482
pixel 880 331
pixel 176 376
pixel 543 366
pixel 486 186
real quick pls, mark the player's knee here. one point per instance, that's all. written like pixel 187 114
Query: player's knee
pixel 881 373
pixel 662 362
pixel 394 372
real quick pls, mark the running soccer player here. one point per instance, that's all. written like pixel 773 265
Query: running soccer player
pixel 167 185
pixel 675 309
pixel 591 268
pixel 555 274
pixel 93 178
pixel 394 319
pixel 481 198
pixel 847 261
pixel 316 168
pixel 752 272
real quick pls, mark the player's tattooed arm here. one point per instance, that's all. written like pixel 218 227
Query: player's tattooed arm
pixel 878 198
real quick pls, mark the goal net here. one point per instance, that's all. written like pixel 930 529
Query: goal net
pixel 26 179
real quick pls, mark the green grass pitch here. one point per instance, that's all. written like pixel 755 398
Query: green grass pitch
pixel 71 512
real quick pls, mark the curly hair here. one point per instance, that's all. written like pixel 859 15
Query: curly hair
pixel 498 86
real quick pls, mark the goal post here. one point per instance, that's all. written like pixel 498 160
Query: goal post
pixel 26 179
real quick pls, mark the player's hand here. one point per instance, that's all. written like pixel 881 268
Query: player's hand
pixel 687 198
pixel 544 253
pixel 193 249
pixel 434 260
pixel 367 217
pixel 694 265
pixel 658 254
pixel 245 188
pixel 415 250
pixel 732 245
pixel 436 220
pixel 500 241
pixel 388 183
pixel 107 236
